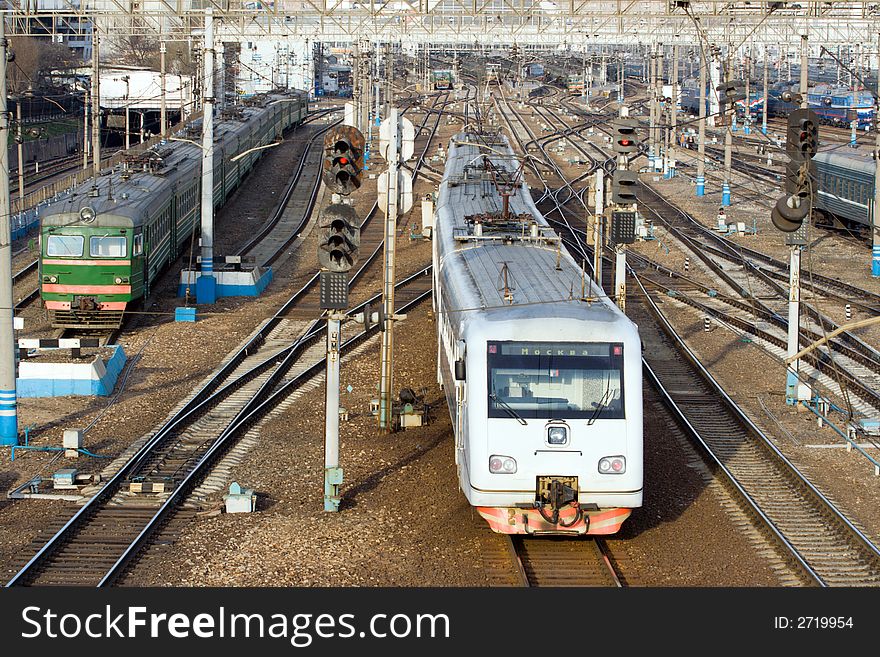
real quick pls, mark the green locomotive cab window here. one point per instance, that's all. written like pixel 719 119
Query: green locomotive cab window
pixel 137 247
pixel 70 246
pixel 104 246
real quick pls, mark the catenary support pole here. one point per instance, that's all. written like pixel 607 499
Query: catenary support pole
pixel 765 103
pixel 332 471
pixel 206 284
pixel 20 144
pixel 87 97
pixel 795 390
pixel 392 156
pixel 728 140
pixel 8 406
pixel 96 107
pixel 598 237
pixel 875 259
pixel 701 126
pixel 162 106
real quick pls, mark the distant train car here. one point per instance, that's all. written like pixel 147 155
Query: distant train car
pixel 690 99
pixel 103 246
pixel 533 70
pixel 493 73
pixel 845 189
pixel 543 384
pixel 837 106
pixel 442 79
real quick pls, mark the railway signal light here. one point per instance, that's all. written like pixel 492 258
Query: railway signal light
pixel 623 187
pixel 800 173
pixel 343 159
pixel 625 141
pixel 341 238
pixel 803 135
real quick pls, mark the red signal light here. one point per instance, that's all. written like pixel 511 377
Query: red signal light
pixel 343 160
pixel 625 142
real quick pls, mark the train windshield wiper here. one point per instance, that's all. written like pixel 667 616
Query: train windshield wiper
pixel 603 403
pixel 507 407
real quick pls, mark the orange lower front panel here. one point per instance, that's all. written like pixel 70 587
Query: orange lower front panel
pixel 509 520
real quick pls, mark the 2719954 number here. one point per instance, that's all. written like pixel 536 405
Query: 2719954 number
pixel 813 622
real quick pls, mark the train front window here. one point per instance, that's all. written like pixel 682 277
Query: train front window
pixel 105 246
pixel 69 246
pixel 555 380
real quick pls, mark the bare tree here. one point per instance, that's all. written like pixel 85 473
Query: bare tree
pixel 139 50
pixel 35 59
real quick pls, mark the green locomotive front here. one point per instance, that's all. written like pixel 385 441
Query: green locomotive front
pixel 90 272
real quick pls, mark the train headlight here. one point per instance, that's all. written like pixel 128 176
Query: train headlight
pixel 118 280
pixel 53 279
pixel 502 464
pixel 612 465
pixel 557 435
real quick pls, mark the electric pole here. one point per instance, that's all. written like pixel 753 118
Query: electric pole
pixel 8 403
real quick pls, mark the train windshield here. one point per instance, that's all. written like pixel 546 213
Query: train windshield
pixel 107 247
pixel 556 380
pixel 70 246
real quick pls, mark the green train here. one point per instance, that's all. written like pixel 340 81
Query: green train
pixel 103 245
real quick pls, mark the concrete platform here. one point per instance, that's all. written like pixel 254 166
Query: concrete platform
pixel 245 283
pixel 62 379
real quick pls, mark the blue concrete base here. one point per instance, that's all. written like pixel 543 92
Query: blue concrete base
pixel 701 186
pixel 764 129
pixel 206 289
pixel 875 261
pixel 725 194
pixel 249 283
pixel 184 314
pixel 670 173
pixel 747 130
pixel 62 379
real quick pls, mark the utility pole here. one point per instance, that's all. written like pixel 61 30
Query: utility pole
pixel 87 96
pixel 747 119
pixel 127 107
pixel 8 404
pixel 875 258
pixel 598 237
pixel 701 125
pixel 356 84
pixel 652 127
pixel 658 93
pixel 766 99
pixel 96 109
pixel 392 156
pixel 20 144
pixel 795 389
pixel 673 140
pixel 206 284
pixel 389 76
pixel 162 106
pixel 728 138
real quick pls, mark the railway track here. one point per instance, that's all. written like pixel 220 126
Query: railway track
pixel 562 561
pixel 101 541
pixel 821 545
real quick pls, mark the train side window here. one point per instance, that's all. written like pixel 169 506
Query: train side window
pixel 137 247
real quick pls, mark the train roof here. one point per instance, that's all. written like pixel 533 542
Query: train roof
pixel 512 268
pixel 862 165
pixel 121 196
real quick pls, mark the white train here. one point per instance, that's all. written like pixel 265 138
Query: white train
pixel 541 371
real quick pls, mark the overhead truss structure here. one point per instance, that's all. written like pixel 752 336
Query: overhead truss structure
pixel 462 23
